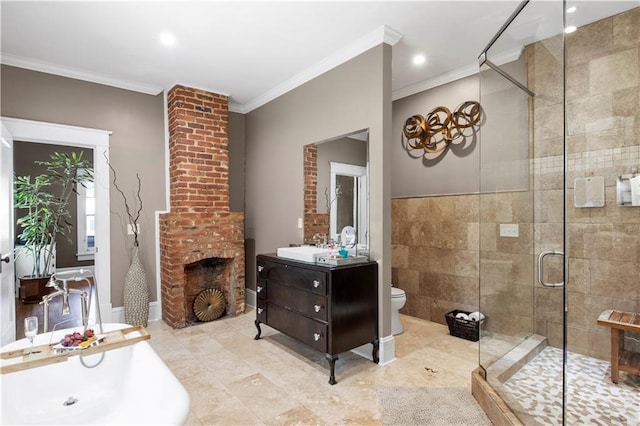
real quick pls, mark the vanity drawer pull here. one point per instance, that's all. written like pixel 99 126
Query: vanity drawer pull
pixel 316 283
pixel 258 289
pixel 260 268
pixel 317 308
pixel 260 310
pixel 317 336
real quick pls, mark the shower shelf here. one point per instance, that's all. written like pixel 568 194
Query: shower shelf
pixel 17 359
pixel 621 359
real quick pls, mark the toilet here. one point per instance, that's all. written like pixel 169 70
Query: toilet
pixel 398 299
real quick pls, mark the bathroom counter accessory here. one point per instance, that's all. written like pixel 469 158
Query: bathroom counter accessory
pixel 18 359
pixel 331 309
pixel 326 260
pixel 621 359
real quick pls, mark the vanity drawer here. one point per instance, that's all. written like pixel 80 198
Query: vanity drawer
pixel 261 288
pixel 309 304
pixel 308 331
pixel 303 278
pixel 261 310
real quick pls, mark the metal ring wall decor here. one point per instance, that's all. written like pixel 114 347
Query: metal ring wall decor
pixel 434 132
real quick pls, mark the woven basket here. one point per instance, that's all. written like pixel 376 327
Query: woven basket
pixel 465 329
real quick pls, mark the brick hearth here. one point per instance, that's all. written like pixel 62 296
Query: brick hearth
pixel 200 231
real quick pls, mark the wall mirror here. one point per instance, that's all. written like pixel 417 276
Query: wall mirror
pixel 336 205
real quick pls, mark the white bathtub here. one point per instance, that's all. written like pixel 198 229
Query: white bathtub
pixel 130 386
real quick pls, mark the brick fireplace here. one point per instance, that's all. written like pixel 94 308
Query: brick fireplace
pixel 201 240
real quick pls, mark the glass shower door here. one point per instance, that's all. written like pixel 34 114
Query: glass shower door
pixel 522 223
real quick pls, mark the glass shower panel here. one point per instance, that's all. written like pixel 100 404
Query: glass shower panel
pixel 522 210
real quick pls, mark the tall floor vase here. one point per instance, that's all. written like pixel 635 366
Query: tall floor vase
pixel 136 292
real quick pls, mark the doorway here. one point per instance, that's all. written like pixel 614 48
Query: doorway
pixel 348 200
pixel 71 249
pixel 98 142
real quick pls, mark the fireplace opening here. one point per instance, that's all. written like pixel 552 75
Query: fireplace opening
pixel 206 273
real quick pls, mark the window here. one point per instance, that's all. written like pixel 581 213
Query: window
pixel 86 227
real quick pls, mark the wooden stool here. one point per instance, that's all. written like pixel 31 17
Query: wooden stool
pixel 621 360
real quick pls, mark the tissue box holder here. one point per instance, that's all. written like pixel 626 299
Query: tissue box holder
pixel 465 329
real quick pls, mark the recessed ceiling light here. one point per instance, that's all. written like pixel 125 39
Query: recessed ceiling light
pixel 167 39
pixel 571 9
pixel 419 59
pixel 570 29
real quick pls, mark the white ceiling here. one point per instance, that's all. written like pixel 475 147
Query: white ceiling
pixel 256 51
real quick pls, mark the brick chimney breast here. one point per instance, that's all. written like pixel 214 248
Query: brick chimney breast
pixel 201 240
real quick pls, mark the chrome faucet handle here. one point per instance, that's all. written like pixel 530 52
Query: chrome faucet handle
pixel 52 281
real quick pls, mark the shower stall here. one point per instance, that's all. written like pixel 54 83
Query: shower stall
pixel 559 238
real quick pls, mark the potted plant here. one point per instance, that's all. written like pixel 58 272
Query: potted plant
pixel 45 199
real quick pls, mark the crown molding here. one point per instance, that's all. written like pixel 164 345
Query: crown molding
pixel 435 82
pixel 391 36
pixel 382 34
pixel 49 68
pixel 237 108
pixel 457 74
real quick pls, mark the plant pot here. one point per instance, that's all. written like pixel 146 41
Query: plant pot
pixel 32 290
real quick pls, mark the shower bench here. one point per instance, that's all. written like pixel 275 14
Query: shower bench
pixel 621 359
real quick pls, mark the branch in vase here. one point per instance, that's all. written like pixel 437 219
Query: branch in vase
pixel 133 221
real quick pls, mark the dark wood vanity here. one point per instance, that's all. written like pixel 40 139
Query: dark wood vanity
pixel 332 309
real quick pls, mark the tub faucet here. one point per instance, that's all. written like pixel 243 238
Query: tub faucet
pixel 65 291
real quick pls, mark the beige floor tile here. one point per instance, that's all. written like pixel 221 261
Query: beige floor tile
pixel 227 367
pixel 192 420
pixel 233 379
pixel 236 415
pixel 262 397
pixel 300 416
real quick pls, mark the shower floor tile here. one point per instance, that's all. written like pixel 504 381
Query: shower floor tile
pixel 591 396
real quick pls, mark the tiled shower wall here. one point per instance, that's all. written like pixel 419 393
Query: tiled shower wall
pixel 603 127
pixel 436 240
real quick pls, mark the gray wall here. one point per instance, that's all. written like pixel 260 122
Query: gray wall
pixel 236 161
pixel 353 96
pixel 454 172
pixel 457 171
pixel 136 145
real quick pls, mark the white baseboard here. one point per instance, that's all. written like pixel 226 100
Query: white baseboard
pixel 250 298
pixel 117 314
pixel 387 350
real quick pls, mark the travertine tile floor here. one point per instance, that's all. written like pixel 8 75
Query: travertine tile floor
pixel 235 380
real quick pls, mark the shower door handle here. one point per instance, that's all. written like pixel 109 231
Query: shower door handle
pixel 541 257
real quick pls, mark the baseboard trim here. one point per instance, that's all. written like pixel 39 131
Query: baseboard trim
pixel 250 297
pixel 387 352
pixel 155 314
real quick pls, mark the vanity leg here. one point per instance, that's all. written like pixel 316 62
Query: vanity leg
pixel 257 323
pixel 376 349
pixel 332 367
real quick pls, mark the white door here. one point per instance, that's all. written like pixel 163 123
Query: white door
pixel 7 282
